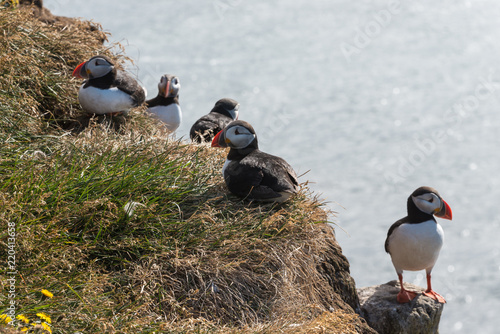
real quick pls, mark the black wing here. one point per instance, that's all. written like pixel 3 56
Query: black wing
pixel 204 129
pixel 391 229
pixel 126 83
pixel 261 176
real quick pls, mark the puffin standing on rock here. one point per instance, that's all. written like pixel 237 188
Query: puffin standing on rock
pixel 414 241
pixel 251 173
pixel 107 90
pixel 224 112
pixel 165 106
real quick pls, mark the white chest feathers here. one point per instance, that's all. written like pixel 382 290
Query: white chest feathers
pixel 104 101
pixel 171 115
pixel 416 246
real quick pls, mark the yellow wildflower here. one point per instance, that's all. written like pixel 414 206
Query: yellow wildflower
pixel 24 329
pixel 47 293
pixel 23 318
pixel 44 317
pixel 5 318
pixel 46 327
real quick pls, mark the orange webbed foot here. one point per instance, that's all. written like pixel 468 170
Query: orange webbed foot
pixel 405 296
pixel 434 295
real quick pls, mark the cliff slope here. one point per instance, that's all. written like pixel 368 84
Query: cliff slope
pixel 133 231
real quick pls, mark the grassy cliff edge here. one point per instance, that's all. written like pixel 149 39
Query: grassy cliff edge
pixel 134 232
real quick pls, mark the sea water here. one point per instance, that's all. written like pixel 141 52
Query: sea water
pixel 371 98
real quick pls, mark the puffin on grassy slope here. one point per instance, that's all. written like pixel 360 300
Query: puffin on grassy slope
pixel 414 241
pixel 165 106
pixel 107 90
pixel 224 112
pixel 251 173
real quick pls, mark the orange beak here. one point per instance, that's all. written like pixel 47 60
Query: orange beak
pixel 167 89
pixel 445 212
pixel 215 141
pixel 78 71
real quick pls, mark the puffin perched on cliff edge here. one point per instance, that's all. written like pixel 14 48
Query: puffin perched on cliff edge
pixel 107 90
pixel 224 112
pixel 251 173
pixel 414 241
pixel 165 106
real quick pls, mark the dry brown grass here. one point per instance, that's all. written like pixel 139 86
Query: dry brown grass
pixel 37 59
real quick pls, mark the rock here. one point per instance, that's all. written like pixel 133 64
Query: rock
pixel 384 314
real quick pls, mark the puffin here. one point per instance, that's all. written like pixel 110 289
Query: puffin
pixel 250 173
pixel 224 112
pixel 414 241
pixel 165 106
pixel 107 89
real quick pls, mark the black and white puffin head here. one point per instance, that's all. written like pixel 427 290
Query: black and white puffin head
pixel 169 86
pixel 228 107
pixel 95 67
pixel 428 200
pixel 237 135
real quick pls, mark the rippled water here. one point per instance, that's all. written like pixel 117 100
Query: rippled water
pixel 374 98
